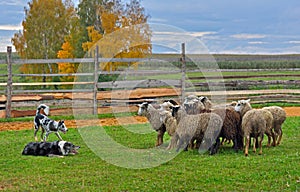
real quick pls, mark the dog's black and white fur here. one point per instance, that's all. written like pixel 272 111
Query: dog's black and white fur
pixel 50 149
pixel 49 126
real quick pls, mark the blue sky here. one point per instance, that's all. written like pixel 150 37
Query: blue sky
pixel 227 26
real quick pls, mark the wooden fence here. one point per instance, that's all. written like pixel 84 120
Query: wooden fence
pixel 100 93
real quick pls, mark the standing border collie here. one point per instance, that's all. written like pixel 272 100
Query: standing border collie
pixel 50 149
pixel 48 125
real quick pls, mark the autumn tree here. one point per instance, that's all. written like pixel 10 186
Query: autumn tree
pixel 124 32
pixel 89 14
pixel 45 26
pixel 71 48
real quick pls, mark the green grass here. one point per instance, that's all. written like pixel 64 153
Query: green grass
pixel 276 170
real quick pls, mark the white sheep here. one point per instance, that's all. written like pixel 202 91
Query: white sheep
pixel 153 116
pixel 279 116
pixel 192 128
pixel 255 123
pixel 193 105
pixel 231 129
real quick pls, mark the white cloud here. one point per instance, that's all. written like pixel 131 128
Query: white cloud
pixel 10 27
pixel 294 42
pixel 202 33
pixel 257 42
pixel 248 36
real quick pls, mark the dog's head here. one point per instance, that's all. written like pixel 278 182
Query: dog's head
pixel 62 127
pixel 68 148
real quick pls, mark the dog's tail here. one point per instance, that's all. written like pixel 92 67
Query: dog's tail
pixel 43 107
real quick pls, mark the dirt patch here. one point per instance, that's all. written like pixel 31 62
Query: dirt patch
pixel 5 126
pixel 291 111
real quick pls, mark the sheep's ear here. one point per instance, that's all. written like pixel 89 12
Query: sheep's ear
pixel 173 102
pixel 203 99
pixel 248 100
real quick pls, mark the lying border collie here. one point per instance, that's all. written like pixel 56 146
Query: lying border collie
pixel 50 149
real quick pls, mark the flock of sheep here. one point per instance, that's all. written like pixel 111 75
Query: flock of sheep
pixel 198 123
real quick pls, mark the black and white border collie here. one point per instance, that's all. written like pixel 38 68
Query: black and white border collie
pixel 48 125
pixel 50 149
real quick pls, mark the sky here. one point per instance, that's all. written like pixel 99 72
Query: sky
pixel 227 26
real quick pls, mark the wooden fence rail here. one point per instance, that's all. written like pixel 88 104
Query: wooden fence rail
pixel 179 85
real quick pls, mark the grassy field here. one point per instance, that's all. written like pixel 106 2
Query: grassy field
pixel 276 170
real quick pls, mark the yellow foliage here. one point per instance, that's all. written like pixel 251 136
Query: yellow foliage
pixel 120 39
pixel 94 36
pixel 65 53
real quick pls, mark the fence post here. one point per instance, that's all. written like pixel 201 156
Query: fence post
pixel 183 72
pixel 9 83
pixel 95 90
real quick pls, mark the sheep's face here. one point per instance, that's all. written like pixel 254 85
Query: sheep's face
pixel 175 110
pixel 164 115
pixel 206 102
pixel 241 105
pixel 142 108
pixel 167 105
pixel 193 106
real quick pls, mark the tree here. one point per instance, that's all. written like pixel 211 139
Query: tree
pixel 124 32
pixel 45 26
pixel 71 48
pixel 89 15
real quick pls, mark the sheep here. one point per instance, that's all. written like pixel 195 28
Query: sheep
pixel 153 116
pixel 169 121
pixel 171 125
pixel 255 123
pixel 193 105
pixel 167 104
pixel 279 116
pixel 195 127
pixel 206 102
pixel 231 129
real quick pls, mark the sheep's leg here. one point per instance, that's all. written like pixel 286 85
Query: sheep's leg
pixel 274 138
pixel 215 147
pixel 192 145
pixel 235 144
pixel 279 135
pixel 186 147
pixel 260 144
pixel 254 144
pixel 247 141
pixel 173 142
pixel 179 144
pixel 270 133
pixel 269 139
pixel 160 137
pixel 223 140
